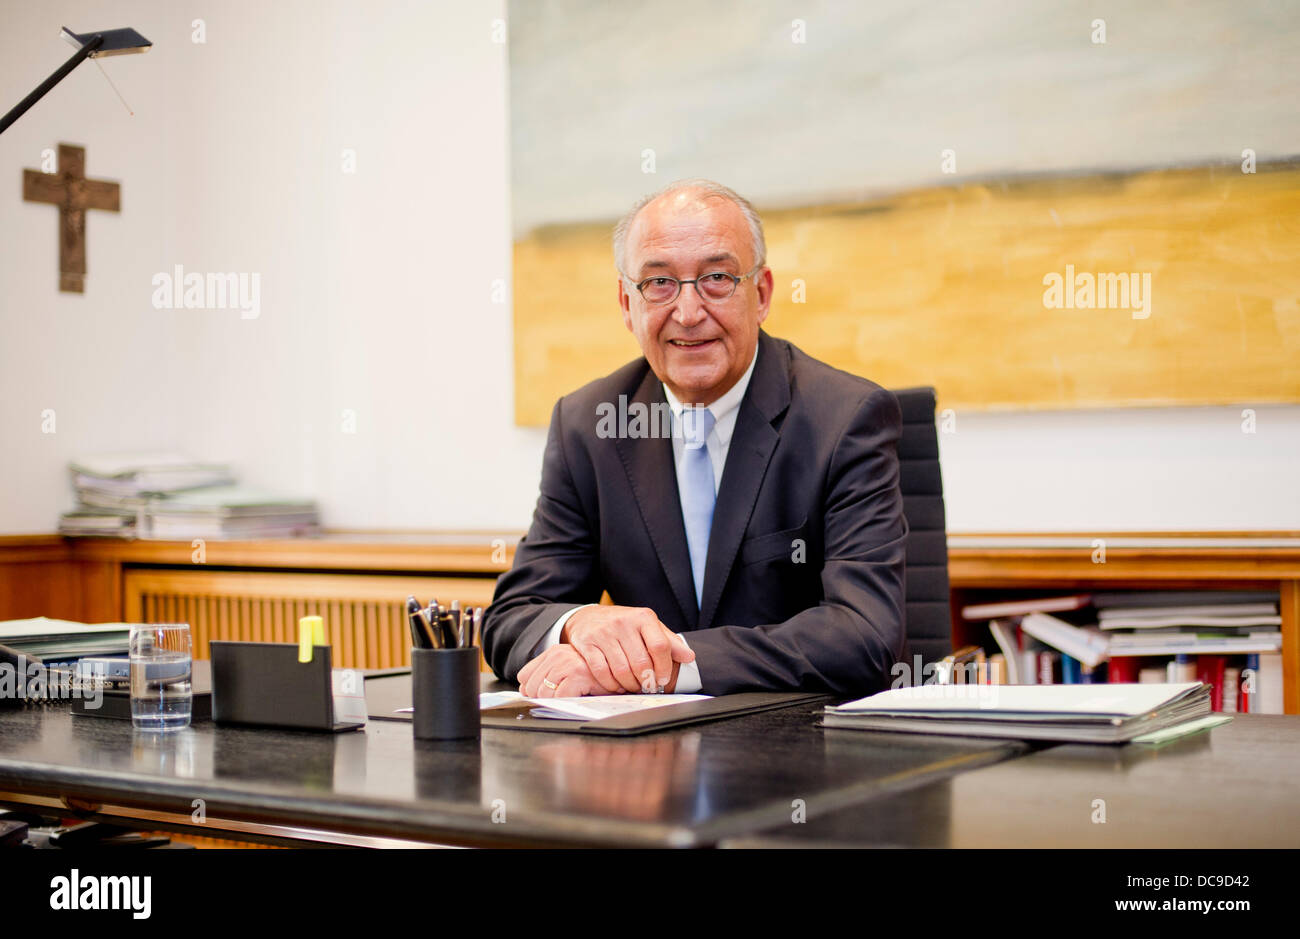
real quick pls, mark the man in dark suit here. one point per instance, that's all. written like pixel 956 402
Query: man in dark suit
pixel 736 498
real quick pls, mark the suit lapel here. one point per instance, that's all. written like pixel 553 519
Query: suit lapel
pixel 648 462
pixel 752 443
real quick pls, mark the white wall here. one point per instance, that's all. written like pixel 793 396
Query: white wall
pixel 376 290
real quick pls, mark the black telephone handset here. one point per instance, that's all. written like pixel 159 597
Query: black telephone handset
pixel 14 665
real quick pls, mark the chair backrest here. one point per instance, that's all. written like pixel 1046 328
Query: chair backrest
pixel 926 604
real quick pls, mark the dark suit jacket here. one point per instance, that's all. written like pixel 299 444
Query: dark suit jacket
pixel 803 584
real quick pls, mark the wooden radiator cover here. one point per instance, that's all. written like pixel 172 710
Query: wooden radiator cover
pixel 365 614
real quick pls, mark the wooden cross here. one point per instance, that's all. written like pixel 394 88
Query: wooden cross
pixel 73 193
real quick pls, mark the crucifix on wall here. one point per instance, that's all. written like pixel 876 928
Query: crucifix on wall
pixel 73 193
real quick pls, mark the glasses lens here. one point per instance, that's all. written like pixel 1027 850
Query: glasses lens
pixel 717 286
pixel 659 289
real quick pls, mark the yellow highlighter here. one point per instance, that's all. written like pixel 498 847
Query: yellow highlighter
pixel 311 632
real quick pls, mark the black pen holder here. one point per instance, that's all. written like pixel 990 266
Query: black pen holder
pixel 444 693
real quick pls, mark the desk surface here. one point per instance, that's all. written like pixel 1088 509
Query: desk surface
pixel 692 786
pixel 1237 785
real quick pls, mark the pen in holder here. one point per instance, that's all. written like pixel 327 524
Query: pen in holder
pixel 444 693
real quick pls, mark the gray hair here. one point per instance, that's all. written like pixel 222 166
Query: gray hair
pixel 708 187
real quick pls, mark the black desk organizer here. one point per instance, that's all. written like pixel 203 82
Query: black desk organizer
pixel 264 684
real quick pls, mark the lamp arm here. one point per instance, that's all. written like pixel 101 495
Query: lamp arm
pixel 77 57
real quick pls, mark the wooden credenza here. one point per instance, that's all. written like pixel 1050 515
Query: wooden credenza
pixel 255 590
pixel 358 581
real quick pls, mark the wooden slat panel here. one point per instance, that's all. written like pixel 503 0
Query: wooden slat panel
pixel 364 615
pixel 366 638
pixel 308 587
pixel 419 553
pixel 1290 608
pixel 278 619
pixel 347 622
pixel 388 646
pixel 340 638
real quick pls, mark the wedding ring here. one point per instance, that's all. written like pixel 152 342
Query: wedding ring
pixel 550 684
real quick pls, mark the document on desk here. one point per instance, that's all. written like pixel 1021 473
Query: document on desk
pixel 1068 713
pixel 596 707
pixel 1023 702
pixel 588 708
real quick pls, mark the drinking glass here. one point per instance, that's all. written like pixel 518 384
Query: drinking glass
pixel 161 656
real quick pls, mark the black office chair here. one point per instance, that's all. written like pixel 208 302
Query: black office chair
pixel 926 606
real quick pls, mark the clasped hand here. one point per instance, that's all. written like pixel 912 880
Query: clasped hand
pixel 607 650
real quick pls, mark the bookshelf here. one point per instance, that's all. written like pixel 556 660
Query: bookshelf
pixel 1071 562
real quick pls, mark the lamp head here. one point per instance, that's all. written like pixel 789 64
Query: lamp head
pixel 116 41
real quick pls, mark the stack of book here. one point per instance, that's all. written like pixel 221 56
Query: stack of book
pixel 1191 623
pixel 1037 647
pixel 166 496
pixel 1230 640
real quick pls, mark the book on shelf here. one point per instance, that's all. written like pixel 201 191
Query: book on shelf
pixel 980 611
pixel 1146 623
pixel 1195 644
pixel 1089 646
pixel 1155 599
pixel 1231 640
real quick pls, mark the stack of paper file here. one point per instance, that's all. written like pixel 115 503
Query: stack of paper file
pixel 169 497
pixel 61 639
pixel 1067 713
pixel 114 490
pixel 125 480
pixel 229 512
pixel 88 520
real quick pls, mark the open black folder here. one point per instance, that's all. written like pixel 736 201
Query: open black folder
pixel 387 694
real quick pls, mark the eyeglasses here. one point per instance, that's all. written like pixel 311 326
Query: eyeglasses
pixel 715 285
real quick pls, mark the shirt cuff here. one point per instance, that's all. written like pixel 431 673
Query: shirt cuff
pixel 688 675
pixel 552 638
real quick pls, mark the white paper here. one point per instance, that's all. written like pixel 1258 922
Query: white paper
pixel 587 708
pixel 43 626
pixel 595 707
pixel 1122 700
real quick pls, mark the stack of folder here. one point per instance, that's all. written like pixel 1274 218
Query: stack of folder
pixel 166 496
pixel 61 640
pixel 1064 713
pixel 230 512
pixel 114 490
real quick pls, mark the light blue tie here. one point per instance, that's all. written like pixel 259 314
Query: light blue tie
pixel 698 495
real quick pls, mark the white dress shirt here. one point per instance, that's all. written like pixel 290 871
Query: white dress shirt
pixel 725 411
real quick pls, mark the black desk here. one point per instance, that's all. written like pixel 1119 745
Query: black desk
pixel 686 787
pixel 1236 786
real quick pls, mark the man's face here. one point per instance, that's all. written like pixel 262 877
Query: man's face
pixel 698 347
